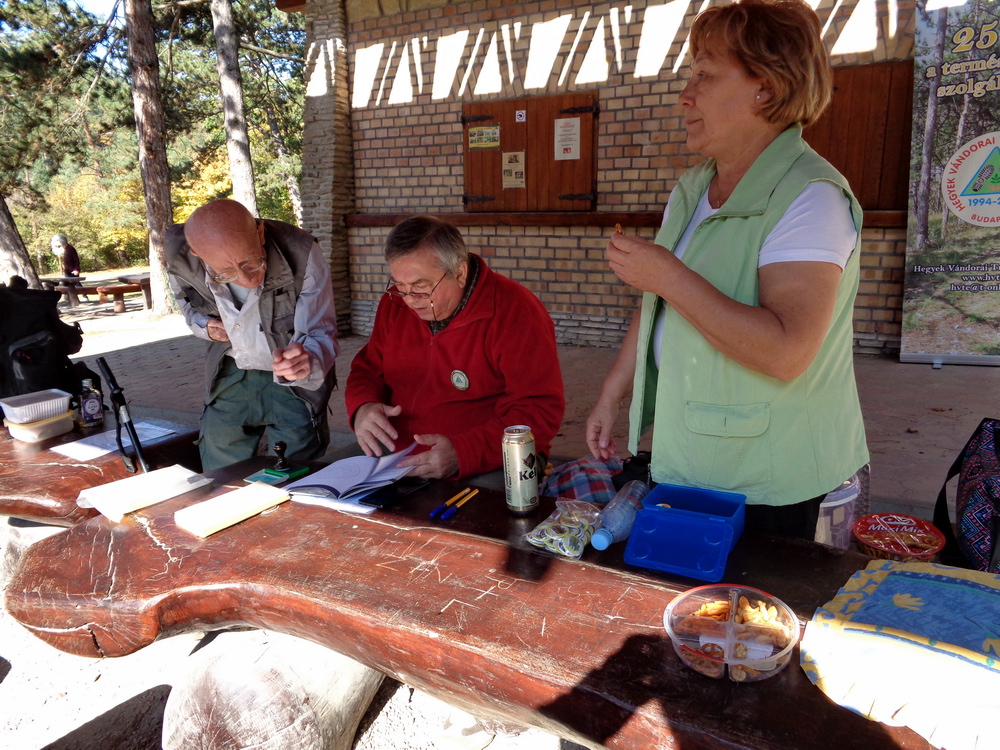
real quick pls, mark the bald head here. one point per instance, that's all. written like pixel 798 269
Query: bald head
pixel 226 237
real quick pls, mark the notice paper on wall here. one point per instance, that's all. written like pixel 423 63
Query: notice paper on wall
pixel 115 499
pixel 567 139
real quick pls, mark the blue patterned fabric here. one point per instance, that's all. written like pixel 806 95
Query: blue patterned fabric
pixel 913 644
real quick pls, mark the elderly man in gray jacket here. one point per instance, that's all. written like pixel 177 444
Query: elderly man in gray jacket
pixel 259 292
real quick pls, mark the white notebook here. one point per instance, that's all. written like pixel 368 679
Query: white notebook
pixel 217 513
pixel 115 499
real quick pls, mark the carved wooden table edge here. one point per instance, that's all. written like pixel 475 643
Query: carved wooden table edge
pixel 39 485
pixel 574 648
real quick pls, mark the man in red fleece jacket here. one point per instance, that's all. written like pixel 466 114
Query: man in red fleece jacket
pixel 457 354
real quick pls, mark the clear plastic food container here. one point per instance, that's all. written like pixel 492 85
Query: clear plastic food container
pixel 34 407
pixel 738 630
pixel 33 432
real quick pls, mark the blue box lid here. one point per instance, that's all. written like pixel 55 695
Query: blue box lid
pixel 692 537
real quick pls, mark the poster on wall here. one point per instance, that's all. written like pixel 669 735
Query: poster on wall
pixel 567 139
pixel 484 136
pixel 513 170
pixel 951 295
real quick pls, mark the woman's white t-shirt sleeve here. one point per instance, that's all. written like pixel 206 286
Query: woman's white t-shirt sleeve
pixel 818 226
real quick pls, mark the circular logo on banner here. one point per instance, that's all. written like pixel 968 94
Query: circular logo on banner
pixel 460 380
pixel 970 183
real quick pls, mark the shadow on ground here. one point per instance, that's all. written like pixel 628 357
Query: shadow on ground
pixel 136 724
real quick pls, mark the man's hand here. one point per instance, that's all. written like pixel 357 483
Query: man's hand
pixel 215 330
pixel 292 362
pixel 373 428
pixel 440 462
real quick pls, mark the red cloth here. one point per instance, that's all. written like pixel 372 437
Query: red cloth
pixel 504 343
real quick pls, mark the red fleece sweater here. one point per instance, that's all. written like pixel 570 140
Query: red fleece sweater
pixel 504 343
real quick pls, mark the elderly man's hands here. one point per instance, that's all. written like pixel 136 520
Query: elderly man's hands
pixel 292 362
pixel 440 462
pixel 373 428
pixel 215 330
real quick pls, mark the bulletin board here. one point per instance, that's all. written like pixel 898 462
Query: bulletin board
pixel 531 154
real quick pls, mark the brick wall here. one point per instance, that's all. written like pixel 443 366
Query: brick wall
pixel 407 155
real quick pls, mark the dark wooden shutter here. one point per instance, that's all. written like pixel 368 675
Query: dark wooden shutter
pixel 865 133
pixel 550 184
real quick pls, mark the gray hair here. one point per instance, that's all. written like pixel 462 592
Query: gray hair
pixel 428 233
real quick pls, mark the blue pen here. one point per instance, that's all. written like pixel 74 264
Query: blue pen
pixel 448 503
pixel 454 509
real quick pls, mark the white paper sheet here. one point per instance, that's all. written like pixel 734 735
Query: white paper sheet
pixel 95 446
pixel 115 499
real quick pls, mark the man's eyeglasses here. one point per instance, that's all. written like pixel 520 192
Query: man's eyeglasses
pixel 393 291
pixel 248 267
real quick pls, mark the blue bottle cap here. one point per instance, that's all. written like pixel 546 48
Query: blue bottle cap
pixel 601 539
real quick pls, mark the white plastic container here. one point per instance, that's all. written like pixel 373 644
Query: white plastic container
pixel 34 407
pixel 33 432
pixel 836 514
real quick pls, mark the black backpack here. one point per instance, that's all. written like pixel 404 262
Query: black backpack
pixel 35 345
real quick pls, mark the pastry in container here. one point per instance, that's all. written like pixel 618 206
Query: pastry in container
pixel 732 630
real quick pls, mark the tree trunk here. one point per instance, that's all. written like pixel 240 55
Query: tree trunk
pixel 14 258
pixel 231 86
pixel 152 138
pixel 927 146
pixel 281 151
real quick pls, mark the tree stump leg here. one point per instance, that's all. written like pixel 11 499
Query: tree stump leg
pixel 268 691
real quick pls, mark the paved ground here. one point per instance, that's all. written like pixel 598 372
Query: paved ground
pixel 917 418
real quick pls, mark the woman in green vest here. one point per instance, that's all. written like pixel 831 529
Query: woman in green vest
pixel 740 357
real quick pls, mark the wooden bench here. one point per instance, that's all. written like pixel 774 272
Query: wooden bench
pixel 73 292
pixel 117 291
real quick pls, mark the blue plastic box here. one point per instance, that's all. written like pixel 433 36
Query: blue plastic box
pixel 693 537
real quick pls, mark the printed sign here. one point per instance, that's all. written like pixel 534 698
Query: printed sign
pixel 484 136
pixel 951 303
pixel 513 169
pixel 567 138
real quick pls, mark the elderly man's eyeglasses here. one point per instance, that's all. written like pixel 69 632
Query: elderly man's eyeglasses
pixel 392 289
pixel 248 267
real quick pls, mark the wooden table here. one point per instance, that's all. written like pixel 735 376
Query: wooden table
pixel 143 280
pixel 40 485
pixel 69 283
pixel 463 609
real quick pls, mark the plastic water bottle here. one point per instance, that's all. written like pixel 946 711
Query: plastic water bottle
pixel 618 516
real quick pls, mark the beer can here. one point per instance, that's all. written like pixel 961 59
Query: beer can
pixel 520 470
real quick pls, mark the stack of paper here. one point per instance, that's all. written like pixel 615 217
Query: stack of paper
pixel 115 499
pixel 205 518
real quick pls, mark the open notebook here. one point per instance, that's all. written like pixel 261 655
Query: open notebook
pixel 351 478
